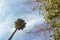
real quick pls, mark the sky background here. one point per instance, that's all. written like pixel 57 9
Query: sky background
pixel 10 11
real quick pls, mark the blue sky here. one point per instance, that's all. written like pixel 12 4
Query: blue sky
pixel 10 11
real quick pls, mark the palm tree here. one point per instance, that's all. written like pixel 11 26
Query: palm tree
pixel 19 24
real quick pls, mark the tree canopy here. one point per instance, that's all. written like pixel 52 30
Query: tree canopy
pixel 52 16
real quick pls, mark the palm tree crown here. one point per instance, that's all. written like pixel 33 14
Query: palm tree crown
pixel 20 24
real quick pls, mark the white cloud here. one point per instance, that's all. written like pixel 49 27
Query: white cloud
pixel 34 22
pixel 2 4
pixel 2 8
pixel 5 26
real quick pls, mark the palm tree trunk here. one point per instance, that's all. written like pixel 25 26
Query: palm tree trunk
pixel 12 34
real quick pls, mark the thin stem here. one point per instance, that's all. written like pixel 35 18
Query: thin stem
pixel 12 34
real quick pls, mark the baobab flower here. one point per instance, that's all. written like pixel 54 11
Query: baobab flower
pixel 40 28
